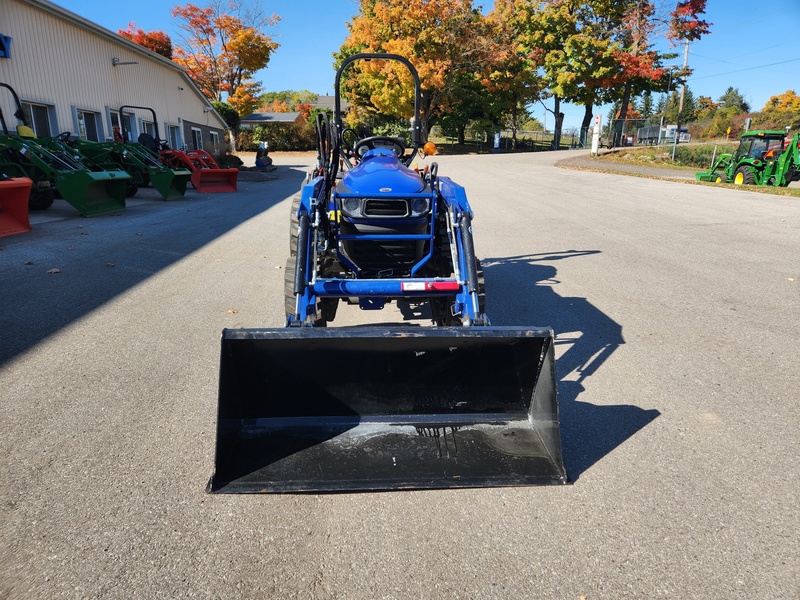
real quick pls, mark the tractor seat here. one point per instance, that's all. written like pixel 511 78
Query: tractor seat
pixel 26 132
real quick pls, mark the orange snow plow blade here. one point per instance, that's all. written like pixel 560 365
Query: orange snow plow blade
pixel 14 194
pixel 215 180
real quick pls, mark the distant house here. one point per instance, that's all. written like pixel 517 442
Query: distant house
pixel 268 118
pixel 329 103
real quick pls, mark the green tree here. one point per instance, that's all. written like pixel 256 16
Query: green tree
pixel 227 112
pixel 732 98
pixel 647 105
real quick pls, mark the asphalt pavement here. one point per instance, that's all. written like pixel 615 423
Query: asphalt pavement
pixel 677 317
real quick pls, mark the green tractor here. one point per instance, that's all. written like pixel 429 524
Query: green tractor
pixel 762 158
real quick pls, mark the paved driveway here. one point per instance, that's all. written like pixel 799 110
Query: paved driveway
pixel 677 314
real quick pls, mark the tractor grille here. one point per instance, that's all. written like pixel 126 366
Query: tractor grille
pixel 374 207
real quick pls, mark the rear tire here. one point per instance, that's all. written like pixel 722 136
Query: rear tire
pixel 744 176
pixel 40 200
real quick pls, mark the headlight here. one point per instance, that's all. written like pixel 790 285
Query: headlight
pixel 419 206
pixel 352 206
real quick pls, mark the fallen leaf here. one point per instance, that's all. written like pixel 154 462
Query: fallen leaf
pixel 28 262
pixel 53 271
pixel 110 265
pixel 232 311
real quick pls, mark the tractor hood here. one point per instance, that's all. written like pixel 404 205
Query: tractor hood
pixel 381 171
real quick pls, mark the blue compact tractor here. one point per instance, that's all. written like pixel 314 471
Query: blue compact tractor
pixel 309 407
pixel 382 231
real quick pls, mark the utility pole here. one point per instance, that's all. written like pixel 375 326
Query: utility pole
pixel 680 101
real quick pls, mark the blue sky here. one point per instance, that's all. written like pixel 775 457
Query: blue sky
pixel 752 47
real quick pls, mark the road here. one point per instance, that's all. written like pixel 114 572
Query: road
pixel 677 317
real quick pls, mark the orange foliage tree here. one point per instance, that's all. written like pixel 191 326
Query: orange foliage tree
pixel 157 41
pixel 223 46
pixel 452 46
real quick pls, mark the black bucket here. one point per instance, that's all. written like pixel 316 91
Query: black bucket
pixel 386 408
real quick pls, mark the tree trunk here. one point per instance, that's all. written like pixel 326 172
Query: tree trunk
pixel 587 121
pixel 461 129
pixel 619 124
pixel 559 122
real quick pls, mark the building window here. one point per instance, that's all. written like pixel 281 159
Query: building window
pixel 87 125
pixel 215 145
pixel 173 136
pixel 127 124
pixel 150 129
pixel 197 139
pixel 38 118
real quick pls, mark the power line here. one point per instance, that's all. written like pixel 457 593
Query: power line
pixel 783 62
pixel 732 62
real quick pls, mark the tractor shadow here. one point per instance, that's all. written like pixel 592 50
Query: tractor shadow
pixel 585 339
pixel 143 240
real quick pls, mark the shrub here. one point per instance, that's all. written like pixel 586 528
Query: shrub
pixel 700 156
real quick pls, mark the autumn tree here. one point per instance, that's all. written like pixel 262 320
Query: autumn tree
pixel 453 47
pixel 704 108
pixel 570 43
pixel 783 110
pixel 156 41
pixel 292 98
pixel 223 46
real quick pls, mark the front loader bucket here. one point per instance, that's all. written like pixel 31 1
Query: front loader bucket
pixel 171 184
pixel 14 193
pixel 706 176
pixel 386 408
pixel 94 192
pixel 215 180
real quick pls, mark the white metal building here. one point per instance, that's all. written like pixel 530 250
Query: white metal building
pixel 73 75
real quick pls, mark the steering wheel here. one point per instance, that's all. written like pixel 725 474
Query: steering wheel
pixel 396 145
pixel 64 136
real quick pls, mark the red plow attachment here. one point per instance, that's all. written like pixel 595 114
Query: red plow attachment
pixel 14 194
pixel 206 176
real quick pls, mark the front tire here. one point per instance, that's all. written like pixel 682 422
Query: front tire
pixel 744 176
pixel 294 224
pixel 441 307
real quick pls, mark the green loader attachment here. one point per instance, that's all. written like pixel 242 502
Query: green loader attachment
pixel 366 408
pixel 90 192
pixel 54 168
pixel 143 166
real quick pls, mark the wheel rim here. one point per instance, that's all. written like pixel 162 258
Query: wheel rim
pixel 739 179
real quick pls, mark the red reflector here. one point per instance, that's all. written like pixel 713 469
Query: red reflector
pixel 442 286
pixel 430 286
